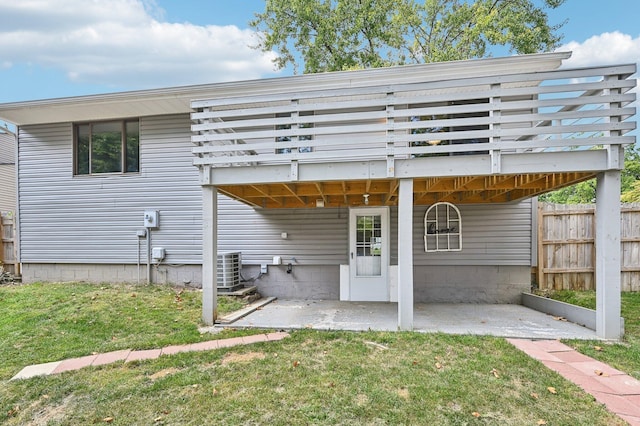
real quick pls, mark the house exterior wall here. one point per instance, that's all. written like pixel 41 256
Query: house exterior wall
pixel 84 227
pixel 314 236
pixel 7 172
pixel 93 219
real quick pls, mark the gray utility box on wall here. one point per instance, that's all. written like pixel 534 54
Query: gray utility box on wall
pixel 229 265
pixel 151 218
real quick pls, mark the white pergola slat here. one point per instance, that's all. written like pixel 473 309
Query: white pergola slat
pixel 564 109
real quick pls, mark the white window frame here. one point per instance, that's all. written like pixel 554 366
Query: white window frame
pixel 442 228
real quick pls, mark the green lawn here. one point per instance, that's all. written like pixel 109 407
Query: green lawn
pixel 312 377
pixel 49 322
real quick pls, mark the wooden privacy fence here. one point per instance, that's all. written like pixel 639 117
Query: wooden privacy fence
pixel 8 255
pixel 566 247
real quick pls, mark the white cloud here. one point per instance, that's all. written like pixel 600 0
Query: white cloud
pixel 125 43
pixel 606 48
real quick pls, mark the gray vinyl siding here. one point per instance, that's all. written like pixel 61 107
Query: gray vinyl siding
pixel 492 234
pixel 7 148
pixel 314 236
pixel 93 219
pixel 7 187
pixel 7 172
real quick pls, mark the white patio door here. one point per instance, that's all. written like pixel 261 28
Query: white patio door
pixel 369 254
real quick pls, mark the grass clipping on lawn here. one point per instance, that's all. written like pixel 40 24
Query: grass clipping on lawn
pixel 313 377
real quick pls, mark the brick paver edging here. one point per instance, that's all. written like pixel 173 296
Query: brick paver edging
pixel 128 355
pixel 619 392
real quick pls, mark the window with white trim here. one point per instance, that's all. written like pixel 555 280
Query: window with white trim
pixel 442 228
pixel 107 147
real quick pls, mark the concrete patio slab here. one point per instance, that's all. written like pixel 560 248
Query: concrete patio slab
pixel 479 319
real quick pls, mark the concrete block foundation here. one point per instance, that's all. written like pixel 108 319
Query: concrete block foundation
pixel 432 284
pixel 101 273
pixel 471 284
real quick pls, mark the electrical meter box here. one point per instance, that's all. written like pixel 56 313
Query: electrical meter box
pixel 151 218
pixel 158 253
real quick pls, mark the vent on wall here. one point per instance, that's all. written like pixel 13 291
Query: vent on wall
pixel 229 265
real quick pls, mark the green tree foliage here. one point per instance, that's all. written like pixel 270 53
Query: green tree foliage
pixel 333 35
pixel 580 193
pixel 585 192
pixel 633 194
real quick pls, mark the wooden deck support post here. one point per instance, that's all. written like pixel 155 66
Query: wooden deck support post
pixel 209 254
pixel 607 260
pixel 405 254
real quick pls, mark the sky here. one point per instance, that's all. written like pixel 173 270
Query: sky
pixel 61 48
